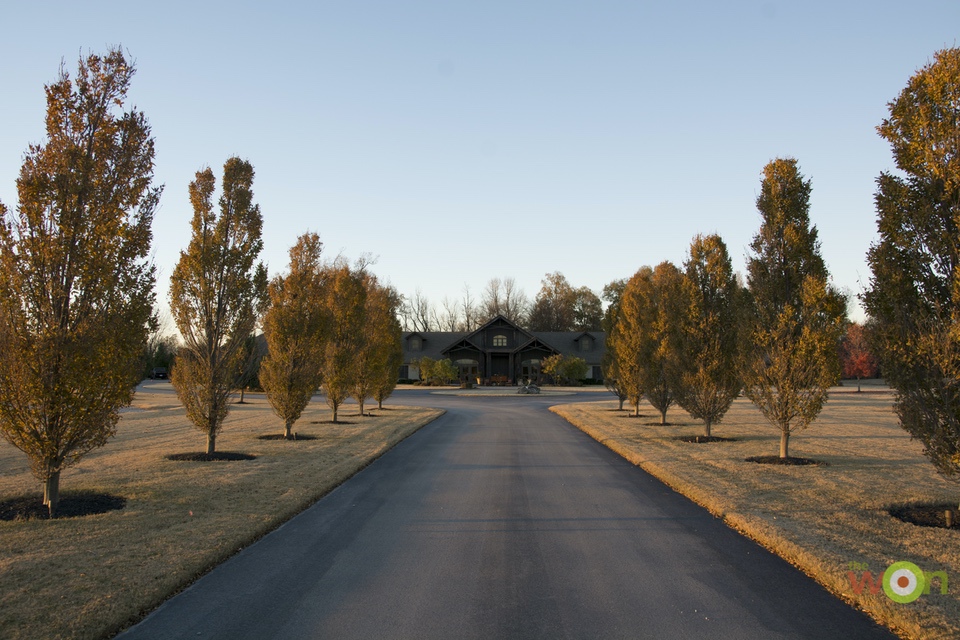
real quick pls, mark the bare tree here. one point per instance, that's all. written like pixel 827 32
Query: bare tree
pixel 417 315
pixel 515 303
pixel 492 299
pixel 449 318
pixel 470 311
pixel 504 298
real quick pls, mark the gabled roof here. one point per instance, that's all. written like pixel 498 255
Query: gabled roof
pixel 536 343
pixel 501 320
pixel 432 342
pixel 462 343
pixel 438 344
pixel 568 342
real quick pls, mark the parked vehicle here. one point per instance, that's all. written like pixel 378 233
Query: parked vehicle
pixel 158 373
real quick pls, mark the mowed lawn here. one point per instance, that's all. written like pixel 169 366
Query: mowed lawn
pixel 88 577
pixel 820 518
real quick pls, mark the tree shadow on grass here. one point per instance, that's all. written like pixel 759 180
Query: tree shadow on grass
pixel 331 422
pixel 280 436
pixel 202 456
pixel 72 505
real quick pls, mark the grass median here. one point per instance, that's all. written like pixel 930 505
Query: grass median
pixel 829 519
pixel 88 577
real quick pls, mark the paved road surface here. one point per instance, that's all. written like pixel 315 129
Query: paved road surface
pixel 500 520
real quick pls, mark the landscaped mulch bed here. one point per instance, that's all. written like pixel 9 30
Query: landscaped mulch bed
pixel 704 439
pixel 925 515
pixel 202 456
pixel 785 461
pixel 72 505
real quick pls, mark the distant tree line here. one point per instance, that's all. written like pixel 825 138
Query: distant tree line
pixel 558 306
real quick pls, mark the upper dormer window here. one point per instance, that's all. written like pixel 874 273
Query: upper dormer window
pixel 586 343
pixel 415 343
pixel 500 341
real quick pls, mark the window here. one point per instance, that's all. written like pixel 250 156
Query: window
pixel 586 343
pixel 414 344
pixel 500 341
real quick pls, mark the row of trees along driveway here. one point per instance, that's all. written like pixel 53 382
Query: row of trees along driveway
pixel 696 338
pixel 77 291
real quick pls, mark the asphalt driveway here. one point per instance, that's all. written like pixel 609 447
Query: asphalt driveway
pixel 500 520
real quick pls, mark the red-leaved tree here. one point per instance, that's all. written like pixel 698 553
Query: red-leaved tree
pixel 855 355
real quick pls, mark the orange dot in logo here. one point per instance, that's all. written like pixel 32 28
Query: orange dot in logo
pixel 903 582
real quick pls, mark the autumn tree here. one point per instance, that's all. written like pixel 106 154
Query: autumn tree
pixel 76 284
pixel 797 316
pixel 608 362
pixel 217 293
pixel 552 309
pixel 436 372
pixel 565 369
pixel 587 310
pixel 914 295
pixel 856 357
pixel 345 303
pixel 379 341
pixel 294 328
pixel 627 340
pixel 386 380
pixel 659 339
pixel 710 335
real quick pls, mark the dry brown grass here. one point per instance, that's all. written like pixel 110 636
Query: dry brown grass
pixel 88 577
pixel 820 518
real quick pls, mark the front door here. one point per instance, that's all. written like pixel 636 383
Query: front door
pixel 500 365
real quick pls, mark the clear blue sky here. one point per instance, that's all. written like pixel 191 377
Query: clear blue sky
pixel 460 141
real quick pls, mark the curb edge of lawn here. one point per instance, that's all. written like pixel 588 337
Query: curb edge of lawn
pixel 269 528
pixel 743 524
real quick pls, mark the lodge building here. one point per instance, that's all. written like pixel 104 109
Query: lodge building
pixel 500 351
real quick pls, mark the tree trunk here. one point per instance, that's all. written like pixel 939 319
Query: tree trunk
pixel 663 417
pixel 380 405
pixel 636 410
pixel 211 443
pixel 288 430
pixel 621 403
pixel 784 442
pixel 858 384
pixel 335 414
pixel 361 408
pixel 242 390
pixel 706 427
pixel 51 493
